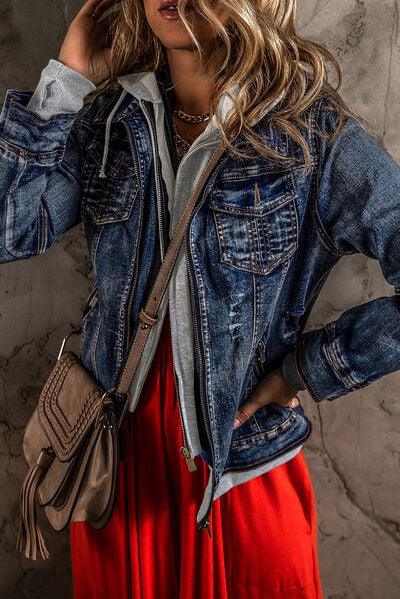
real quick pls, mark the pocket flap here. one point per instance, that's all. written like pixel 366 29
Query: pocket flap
pixel 68 405
pixel 254 193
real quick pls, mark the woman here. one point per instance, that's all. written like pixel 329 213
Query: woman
pixel 221 390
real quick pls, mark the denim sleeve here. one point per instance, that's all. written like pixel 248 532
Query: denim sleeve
pixel 290 371
pixel 40 164
pixel 60 90
pixel 357 211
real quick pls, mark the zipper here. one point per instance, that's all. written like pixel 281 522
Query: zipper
pixel 136 270
pixel 259 355
pixel 42 234
pixel 89 305
pixel 90 302
pixel 185 451
pixel 156 160
pixel 205 523
pixel 207 526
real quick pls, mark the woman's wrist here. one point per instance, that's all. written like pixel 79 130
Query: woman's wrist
pixel 76 70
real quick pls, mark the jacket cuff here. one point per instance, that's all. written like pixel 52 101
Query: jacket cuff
pixel 320 367
pixel 290 371
pixel 61 89
pixel 38 124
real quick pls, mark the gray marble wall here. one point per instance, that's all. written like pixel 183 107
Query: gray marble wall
pixel 354 452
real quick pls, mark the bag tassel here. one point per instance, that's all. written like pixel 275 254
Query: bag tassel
pixel 30 536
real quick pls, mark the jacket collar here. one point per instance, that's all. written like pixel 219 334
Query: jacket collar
pixel 146 85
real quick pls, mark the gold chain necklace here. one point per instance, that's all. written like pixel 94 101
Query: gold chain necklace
pixel 191 118
pixel 181 144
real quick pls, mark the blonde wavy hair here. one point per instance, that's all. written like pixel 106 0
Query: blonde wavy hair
pixel 258 49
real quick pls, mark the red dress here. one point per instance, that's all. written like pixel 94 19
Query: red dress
pixel 264 531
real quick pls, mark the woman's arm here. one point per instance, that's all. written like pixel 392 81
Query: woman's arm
pixel 358 211
pixel 40 163
pixel 40 186
pixel 357 208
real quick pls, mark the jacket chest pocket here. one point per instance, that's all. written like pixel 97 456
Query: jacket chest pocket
pixel 109 198
pixel 255 218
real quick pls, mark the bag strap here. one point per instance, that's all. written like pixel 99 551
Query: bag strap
pixel 149 314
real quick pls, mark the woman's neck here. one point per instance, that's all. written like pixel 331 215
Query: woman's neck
pixel 192 86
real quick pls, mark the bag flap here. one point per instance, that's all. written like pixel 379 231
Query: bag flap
pixel 68 405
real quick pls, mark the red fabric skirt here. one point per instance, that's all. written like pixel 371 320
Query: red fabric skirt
pixel 264 531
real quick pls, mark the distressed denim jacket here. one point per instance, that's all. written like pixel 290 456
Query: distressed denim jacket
pixel 259 247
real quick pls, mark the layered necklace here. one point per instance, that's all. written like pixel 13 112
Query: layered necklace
pixel 181 144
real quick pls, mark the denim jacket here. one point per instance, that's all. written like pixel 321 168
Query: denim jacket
pixel 259 247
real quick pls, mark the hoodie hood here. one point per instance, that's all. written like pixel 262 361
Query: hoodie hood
pixel 144 86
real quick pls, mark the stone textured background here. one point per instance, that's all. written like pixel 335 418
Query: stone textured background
pixel 354 452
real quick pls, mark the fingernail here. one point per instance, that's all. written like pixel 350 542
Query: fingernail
pixel 236 423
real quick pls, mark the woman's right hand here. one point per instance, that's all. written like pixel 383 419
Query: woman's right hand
pixel 86 45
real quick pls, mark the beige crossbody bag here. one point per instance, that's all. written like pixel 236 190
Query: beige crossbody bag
pixel 72 443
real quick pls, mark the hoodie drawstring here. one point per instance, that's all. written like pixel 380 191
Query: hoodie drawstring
pixel 102 173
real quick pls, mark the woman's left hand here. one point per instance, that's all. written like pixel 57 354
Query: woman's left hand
pixel 273 388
